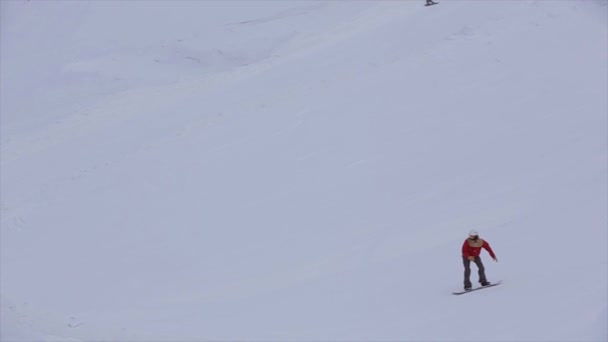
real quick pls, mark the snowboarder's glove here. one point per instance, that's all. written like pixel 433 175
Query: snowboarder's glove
pixel 495 259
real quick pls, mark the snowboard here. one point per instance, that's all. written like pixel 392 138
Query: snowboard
pixel 431 4
pixel 477 288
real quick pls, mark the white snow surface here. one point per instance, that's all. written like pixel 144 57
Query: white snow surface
pixel 302 170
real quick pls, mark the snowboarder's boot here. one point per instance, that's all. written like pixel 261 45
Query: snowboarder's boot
pixel 468 288
pixel 485 283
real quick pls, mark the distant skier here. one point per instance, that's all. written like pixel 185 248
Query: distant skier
pixel 470 252
pixel 430 2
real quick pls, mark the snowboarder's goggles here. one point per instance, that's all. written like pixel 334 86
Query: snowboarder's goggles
pixel 473 237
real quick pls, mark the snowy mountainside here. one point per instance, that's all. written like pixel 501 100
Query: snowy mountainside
pixel 295 170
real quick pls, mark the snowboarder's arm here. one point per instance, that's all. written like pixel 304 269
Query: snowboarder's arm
pixel 486 245
pixel 465 249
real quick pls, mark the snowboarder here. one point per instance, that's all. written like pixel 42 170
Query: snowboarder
pixel 430 2
pixel 470 252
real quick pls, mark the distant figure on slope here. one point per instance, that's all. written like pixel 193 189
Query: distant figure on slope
pixel 470 252
pixel 430 2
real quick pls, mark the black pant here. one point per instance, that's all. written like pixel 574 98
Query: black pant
pixel 467 271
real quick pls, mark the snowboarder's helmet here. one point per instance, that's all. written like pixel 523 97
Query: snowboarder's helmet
pixel 473 233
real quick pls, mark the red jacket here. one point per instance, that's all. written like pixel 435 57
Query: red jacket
pixel 473 248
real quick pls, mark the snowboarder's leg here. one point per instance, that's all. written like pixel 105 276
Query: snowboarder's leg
pixel 467 273
pixel 482 271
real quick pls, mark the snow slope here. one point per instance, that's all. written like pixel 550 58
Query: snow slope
pixel 297 170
